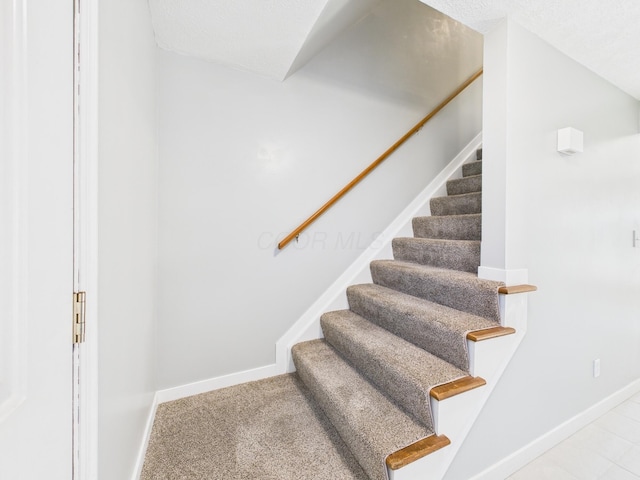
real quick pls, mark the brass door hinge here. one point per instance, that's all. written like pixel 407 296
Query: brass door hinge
pixel 79 308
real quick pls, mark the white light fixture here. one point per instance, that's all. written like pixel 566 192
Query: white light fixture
pixel 570 141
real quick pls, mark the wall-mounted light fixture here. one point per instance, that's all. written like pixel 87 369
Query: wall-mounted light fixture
pixel 570 141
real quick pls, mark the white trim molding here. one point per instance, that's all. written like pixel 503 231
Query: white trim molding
pixel 137 471
pixel 86 234
pixel 13 204
pixel 216 383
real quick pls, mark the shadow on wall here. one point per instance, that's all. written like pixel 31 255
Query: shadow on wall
pixel 419 54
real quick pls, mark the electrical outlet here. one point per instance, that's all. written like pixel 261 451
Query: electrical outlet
pixel 596 368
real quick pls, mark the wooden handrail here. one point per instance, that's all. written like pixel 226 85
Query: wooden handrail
pixel 283 243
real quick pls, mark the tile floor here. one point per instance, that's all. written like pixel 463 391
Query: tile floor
pixel 607 449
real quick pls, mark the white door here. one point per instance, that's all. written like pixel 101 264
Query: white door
pixel 36 239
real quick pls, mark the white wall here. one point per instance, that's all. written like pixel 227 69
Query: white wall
pixel 569 221
pixel 243 160
pixel 127 226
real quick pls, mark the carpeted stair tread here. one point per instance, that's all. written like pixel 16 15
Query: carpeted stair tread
pixel 267 429
pixel 450 227
pixel 371 425
pixel 472 168
pixel 435 328
pixel 459 186
pixel 479 154
pixel 456 204
pixel 401 370
pixel 460 290
pixel 463 255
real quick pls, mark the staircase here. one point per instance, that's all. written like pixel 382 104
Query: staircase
pixel 402 373
pixel 403 336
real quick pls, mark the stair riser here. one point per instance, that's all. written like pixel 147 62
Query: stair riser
pixel 464 227
pixel 472 168
pixel 460 256
pixel 464 185
pixel 457 205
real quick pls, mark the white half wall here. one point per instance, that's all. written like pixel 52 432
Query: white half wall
pixel 569 221
pixel 127 232
pixel 244 160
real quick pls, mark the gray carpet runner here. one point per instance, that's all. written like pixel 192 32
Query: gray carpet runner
pixel 368 380
pixel 430 326
pixel 463 255
pixel 449 227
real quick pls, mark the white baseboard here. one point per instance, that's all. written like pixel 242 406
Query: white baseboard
pixel 137 471
pixel 203 386
pixel 526 454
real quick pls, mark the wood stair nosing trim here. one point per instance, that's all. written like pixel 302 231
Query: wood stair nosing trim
pixel 416 451
pixel 509 290
pixel 488 333
pixel 456 387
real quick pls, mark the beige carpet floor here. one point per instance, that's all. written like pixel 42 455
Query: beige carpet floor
pixel 268 429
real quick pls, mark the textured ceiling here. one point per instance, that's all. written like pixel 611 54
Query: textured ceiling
pixel 263 36
pixel 602 35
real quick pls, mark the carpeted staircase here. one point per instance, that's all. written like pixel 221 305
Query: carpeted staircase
pixel 404 334
pixel 402 341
